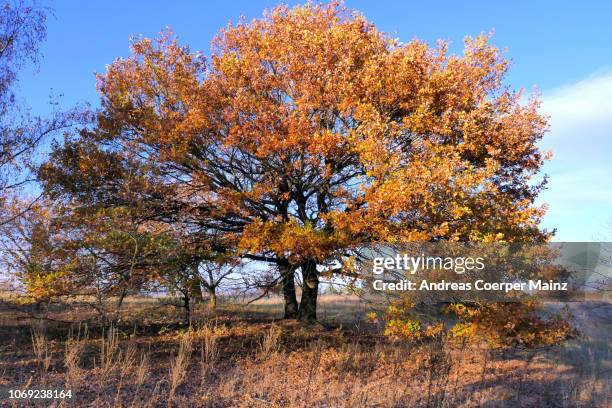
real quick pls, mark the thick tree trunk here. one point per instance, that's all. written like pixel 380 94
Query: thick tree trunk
pixel 288 279
pixel 310 290
pixel 196 289
pixel 212 298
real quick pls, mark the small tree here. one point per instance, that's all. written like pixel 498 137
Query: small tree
pixel 22 29
pixel 212 276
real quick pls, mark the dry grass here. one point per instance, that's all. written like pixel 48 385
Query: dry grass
pixel 248 359
pixel 72 357
pixel 142 372
pixel 178 367
pixel 209 354
pixel 109 348
pixel 40 347
pixel 269 342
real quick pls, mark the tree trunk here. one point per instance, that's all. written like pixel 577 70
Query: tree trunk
pixel 122 296
pixel 196 289
pixel 212 298
pixel 291 304
pixel 186 306
pixel 310 290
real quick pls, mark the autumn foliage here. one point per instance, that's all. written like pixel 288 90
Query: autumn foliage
pixel 500 325
pixel 510 324
pixel 305 135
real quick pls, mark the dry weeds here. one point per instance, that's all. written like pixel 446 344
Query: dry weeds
pixel 251 361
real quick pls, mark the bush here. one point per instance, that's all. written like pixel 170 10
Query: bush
pixel 510 324
pixel 499 324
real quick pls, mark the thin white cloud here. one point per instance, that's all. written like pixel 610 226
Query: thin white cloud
pixel 579 192
pixel 581 121
pixel 587 99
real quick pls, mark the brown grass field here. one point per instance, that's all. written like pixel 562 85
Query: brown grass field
pixel 244 356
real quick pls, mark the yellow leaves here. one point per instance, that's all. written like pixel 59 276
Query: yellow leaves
pixel 47 284
pixel 509 324
pixel 493 237
pixel 499 324
pixel 372 317
pixel 434 330
pixel 290 240
pixel 402 322
pixel 440 230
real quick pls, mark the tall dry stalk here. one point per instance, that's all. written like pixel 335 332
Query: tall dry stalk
pixel 40 347
pixel 178 367
pixel 208 355
pixel 154 398
pixel 141 374
pixel 128 361
pixel 210 349
pixel 439 365
pixel 142 371
pixel 109 346
pixel 126 364
pixel 72 357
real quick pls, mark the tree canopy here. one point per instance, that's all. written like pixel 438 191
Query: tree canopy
pixel 305 135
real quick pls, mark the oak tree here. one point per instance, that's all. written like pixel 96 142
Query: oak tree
pixel 309 133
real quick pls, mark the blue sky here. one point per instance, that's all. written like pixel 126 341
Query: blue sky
pixel 563 49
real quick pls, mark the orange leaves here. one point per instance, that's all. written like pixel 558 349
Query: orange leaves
pixel 311 132
pixel 156 92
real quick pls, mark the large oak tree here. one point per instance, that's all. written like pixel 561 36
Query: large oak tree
pixel 308 133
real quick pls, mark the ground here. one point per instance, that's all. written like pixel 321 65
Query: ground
pixel 244 356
